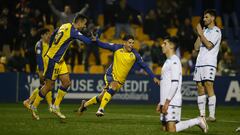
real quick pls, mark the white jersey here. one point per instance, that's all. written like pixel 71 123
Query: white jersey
pixel 209 57
pixel 171 71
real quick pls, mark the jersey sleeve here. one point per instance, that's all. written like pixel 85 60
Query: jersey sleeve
pixel 143 65
pixel 39 50
pixel 78 35
pixel 108 46
pixel 175 76
pixel 215 37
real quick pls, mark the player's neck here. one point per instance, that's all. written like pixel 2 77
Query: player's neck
pixel 210 26
pixel 170 54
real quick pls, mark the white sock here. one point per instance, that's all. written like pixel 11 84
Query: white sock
pixel 202 104
pixel 182 125
pixel 212 106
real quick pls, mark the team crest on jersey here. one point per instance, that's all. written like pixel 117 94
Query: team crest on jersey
pixel 131 55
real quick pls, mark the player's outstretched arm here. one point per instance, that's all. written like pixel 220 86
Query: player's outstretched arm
pixel 108 46
pixel 146 68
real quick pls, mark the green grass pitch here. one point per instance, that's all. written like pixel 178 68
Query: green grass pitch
pixel 118 120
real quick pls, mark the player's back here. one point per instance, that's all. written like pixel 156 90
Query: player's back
pixel 60 42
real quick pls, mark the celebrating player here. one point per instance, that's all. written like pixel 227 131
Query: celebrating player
pixel 55 66
pixel 41 49
pixel 170 93
pixel 207 43
pixel 124 59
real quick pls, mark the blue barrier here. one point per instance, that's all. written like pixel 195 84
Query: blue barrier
pixel 137 89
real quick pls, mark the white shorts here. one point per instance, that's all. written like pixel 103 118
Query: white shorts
pixel 173 114
pixel 204 73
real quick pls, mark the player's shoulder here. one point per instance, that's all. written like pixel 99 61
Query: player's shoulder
pixel 217 30
pixel 175 60
pixel 135 52
pixel 39 44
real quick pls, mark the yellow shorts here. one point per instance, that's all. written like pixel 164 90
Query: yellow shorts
pixel 53 69
pixel 108 79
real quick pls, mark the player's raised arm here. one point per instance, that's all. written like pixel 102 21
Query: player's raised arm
pixel 209 45
pixel 197 44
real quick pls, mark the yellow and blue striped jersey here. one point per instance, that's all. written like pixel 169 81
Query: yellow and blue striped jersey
pixel 123 61
pixel 41 50
pixel 60 40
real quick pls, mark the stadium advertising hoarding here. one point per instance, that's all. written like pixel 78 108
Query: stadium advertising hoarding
pixel 137 88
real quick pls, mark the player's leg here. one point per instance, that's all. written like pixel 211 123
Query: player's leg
pixel 92 101
pixel 201 99
pixel 27 103
pixel 48 86
pixel 113 87
pixel 95 99
pixel 211 100
pixel 62 91
pixel 209 75
pixel 49 100
pixel 200 121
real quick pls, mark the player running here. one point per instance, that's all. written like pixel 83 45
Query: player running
pixel 124 59
pixel 40 50
pixel 55 66
pixel 207 43
pixel 170 93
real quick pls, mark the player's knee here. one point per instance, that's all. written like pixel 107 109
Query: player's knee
pixel 208 85
pixel 171 129
pixel 114 86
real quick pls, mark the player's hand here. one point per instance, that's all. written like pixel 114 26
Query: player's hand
pixel 199 29
pixel 165 107
pixel 94 37
pixel 157 81
pixel 158 108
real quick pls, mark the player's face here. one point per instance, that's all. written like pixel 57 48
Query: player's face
pixel 208 19
pixel 165 46
pixel 81 24
pixel 46 36
pixel 129 45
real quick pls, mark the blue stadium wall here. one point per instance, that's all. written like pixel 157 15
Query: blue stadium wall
pixel 15 87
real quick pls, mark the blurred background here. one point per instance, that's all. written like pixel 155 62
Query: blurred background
pixel 149 20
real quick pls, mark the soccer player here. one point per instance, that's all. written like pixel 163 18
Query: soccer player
pixel 40 49
pixel 170 92
pixel 207 43
pixel 124 59
pixel 55 66
pixel 238 129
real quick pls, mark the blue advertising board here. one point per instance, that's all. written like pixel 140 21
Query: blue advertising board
pixel 137 88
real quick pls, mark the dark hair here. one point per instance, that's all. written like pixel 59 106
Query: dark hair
pixel 174 41
pixel 42 31
pixel 79 17
pixel 212 12
pixel 127 37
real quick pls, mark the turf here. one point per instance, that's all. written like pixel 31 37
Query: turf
pixel 118 120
